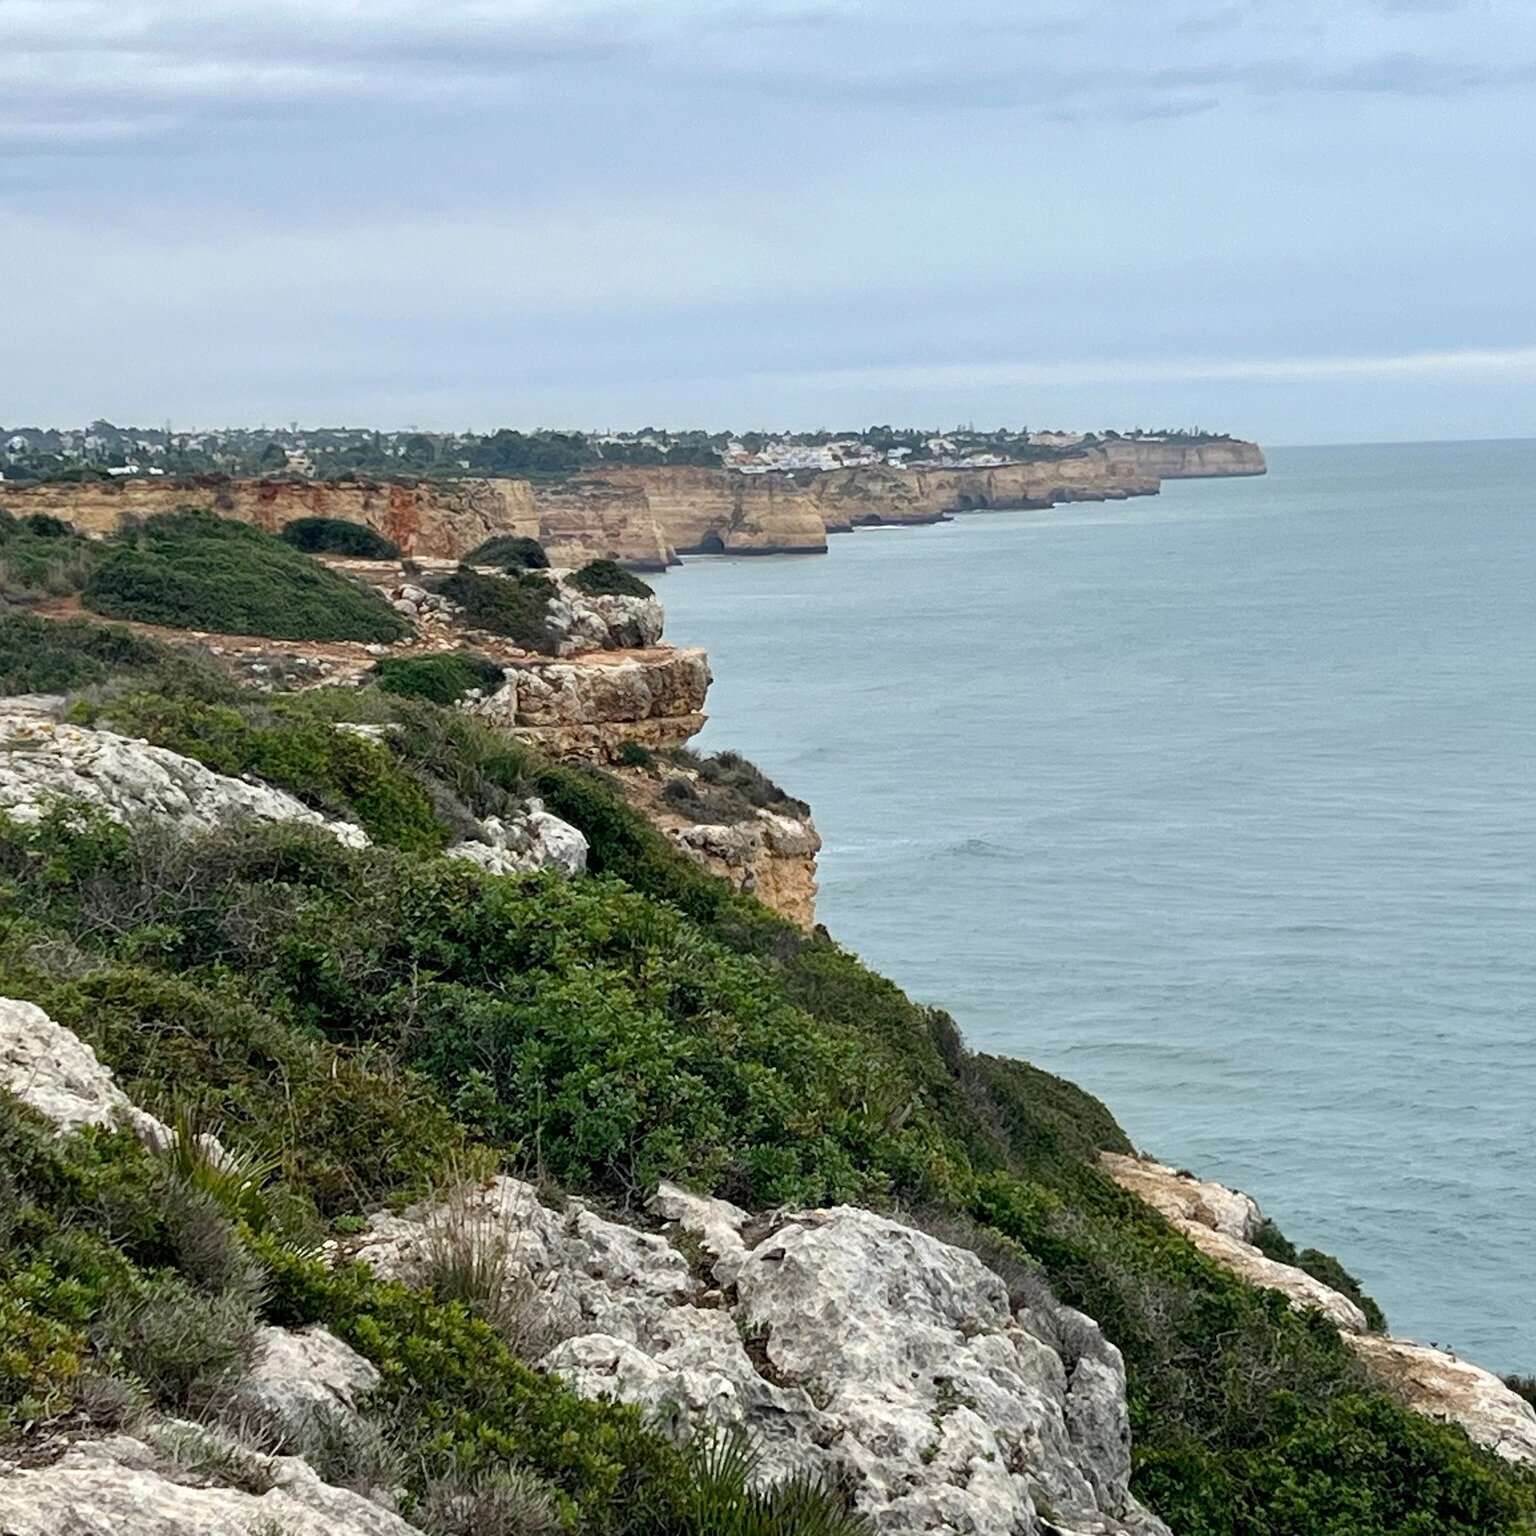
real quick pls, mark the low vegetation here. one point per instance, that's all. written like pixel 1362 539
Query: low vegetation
pixel 193 570
pixel 512 552
pixel 515 605
pixel 603 578
pixel 724 787
pixel 442 679
pixel 361 1022
pixel 338 536
pixel 41 557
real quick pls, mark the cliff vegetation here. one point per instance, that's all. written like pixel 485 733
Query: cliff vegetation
pixel 363 1025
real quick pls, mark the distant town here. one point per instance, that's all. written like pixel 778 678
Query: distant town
pixel 103 450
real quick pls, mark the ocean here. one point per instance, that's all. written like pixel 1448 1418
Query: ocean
pixel 1221 803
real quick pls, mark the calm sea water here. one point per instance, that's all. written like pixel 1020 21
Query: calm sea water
pixel 1220 803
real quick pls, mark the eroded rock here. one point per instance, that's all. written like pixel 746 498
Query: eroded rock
pixel 838 1340
pixel 44 762
pixel 51 1069
pixel 524 842
pixel 1434 1382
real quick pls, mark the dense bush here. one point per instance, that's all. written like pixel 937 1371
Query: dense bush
pixel 336 771
pixel 515 605
pixel 603 578
pixel 192 570
pixel 442 679
pixel 58 655
pixel 511 552
pixel 41 557
pixel 338 536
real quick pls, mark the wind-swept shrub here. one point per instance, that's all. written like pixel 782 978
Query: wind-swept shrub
pixel 605 578
pixel 41 557
pixel 442 679
pixel 193 570
pixel 338 536
pixel 515 605
pixel 512 552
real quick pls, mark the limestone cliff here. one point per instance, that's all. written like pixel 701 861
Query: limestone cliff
pixel 647 516
pixel 443 518
pixel 1222 1223
pixel 1176 460
pixel 879 493
pixel 716 511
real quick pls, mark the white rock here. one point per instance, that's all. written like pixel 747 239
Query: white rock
pixel 121 1486
pixel 298 1374
pixel 855 1342
pixel 54 1071
pixel 44 762
pixel 1181 1197
pixel 1211 1216
pixel 530 840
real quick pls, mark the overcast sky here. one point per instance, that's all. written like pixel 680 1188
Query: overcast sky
pixel 1300 220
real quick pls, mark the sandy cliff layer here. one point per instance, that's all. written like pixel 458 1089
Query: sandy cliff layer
pixel 1188 461
pixel 646 517
pixel 716 511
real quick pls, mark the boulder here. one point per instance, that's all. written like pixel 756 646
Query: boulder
pixel 528 840
pixel 840 1341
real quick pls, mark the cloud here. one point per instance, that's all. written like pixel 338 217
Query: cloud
pixel 1488 363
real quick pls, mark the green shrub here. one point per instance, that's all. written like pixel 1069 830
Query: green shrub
pixel 634 754
pixel 59 655
pixel 515 605
pixel 42 557
pixel 192 570
pixel 1324 1267
pixel 338 536
pixel 603 578
pixel 335 771
pixel 511 552
pixel 189 1350
pixel 441 679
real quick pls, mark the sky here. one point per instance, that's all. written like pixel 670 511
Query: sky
pixel 1296 220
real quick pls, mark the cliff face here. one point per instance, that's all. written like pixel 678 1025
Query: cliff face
pixel 443 519
pixel 878 493
pixel 647 516
pixel 715 511
pixel 589 706
pixel 1187 461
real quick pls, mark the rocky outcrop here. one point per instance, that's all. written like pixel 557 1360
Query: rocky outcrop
pixel 173 1479
pixel 589 706
pixel 301 1376
pixel 770 856
pixel 841 1341
pixel 54 1072
pixel 1437 1384
pixel 525 841
pixel 44 762
pixel 1218 1221
pixel 1174 459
